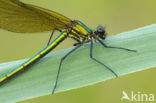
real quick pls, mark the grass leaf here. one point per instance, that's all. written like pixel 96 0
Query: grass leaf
pixel 78 69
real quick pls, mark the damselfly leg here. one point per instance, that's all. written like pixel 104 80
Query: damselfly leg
pixel 114 47
pixel 91 56
pixel 62 59
pixel 51 35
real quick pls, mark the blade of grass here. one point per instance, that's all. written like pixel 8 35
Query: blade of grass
pixel 78 69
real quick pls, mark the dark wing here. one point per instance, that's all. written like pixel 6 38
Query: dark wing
pixel 16 16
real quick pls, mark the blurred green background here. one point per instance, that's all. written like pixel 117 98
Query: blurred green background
pixel 117 16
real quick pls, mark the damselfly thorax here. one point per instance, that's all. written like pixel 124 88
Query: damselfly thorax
pixel 79 31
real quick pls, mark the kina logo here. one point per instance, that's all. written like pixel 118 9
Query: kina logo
pixel 137 96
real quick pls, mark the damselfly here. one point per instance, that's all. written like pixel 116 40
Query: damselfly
pixel 19 17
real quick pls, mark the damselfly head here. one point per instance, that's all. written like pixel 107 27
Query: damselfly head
pixel 100 32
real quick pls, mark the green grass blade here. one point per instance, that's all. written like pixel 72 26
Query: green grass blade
pixel 78 69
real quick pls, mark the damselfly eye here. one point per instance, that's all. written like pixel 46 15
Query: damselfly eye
pixel 100 29
pixel 101 32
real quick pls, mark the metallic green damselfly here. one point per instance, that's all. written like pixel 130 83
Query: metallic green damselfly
pixel 19 17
